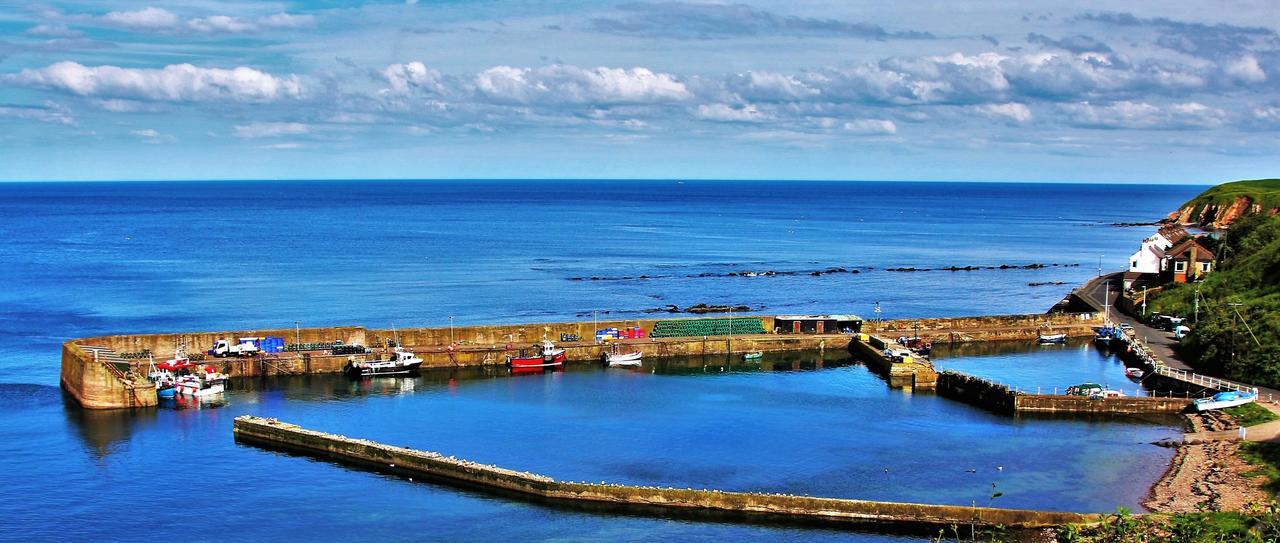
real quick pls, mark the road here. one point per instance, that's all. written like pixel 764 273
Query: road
pixel 1162 343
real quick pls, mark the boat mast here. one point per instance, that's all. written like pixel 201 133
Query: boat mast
pixel 1106 299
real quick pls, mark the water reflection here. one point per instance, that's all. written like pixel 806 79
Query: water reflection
pixel 103 431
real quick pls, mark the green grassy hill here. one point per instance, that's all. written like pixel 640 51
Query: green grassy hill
pixel 1223 341
pixel 1261 192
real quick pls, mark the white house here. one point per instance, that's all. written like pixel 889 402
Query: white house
pixel 1149 257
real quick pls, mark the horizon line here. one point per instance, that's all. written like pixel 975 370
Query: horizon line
pixel 598 179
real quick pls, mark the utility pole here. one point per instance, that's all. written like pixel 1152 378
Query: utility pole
pixel 1233 331
pixel 451 342
pixel 1144 301
pixel 1196 316
pixel 1100 265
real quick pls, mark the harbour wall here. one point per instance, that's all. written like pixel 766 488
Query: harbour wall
pixel 747 506
pixel 491 344
pixel 914 373
pixel 93 383
pixel 1000 398
pixel 988 328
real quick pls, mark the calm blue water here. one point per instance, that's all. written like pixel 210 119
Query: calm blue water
pixel 92 259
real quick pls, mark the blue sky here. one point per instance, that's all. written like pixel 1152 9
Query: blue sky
pixel 1167 92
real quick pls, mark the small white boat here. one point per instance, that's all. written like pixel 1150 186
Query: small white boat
pixel 1052 338
pixel 1223 400
pixel 1134 373
pixel 629 359
pixel 757 355
pixel 402 363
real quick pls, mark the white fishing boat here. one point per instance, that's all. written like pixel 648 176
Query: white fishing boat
pixel 1052 338
pixel 1134 373
pixel 402 362
pixel 629 359
pixel 1223 400
pixel 201 384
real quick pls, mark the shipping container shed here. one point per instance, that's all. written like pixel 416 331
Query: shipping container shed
pixel 817 324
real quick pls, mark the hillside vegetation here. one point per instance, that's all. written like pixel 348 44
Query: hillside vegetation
pixel 1225 203
pixel 1237 341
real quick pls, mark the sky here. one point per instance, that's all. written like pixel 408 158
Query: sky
pixel 1154 92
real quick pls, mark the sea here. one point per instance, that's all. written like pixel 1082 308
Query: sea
pixel 91 259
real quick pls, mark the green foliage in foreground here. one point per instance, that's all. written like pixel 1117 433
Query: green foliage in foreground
pixel 1251 414
pixel 1248 273
pixel 1266 458
pixel 1258 525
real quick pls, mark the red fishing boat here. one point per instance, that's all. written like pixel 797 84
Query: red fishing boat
pixel 546 355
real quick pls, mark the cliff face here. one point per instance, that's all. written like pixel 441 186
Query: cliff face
pixel 1217 216
pixel 1219 206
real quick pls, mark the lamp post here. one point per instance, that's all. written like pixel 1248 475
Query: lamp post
pixel 451 329
pixel 297 332
pixel 1100 265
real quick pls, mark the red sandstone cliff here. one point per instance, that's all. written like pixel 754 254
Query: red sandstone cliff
pixel 1217 216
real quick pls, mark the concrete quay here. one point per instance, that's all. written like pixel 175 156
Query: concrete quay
pixel 1003 399
pixel 96 384
pixel 640 500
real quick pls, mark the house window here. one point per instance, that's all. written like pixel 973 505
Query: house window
pixel 1134 264
pixel 1179 267
pixel 1204 267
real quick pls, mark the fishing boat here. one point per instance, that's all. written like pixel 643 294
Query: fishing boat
pixel 1103 335
pixel 1223 400
pixel 402 362
pixel 546 355
pixel 1134 373
pixel 757 355
pixel 629 359
pixel 202 383
pixel 1052 338
pixel 165 374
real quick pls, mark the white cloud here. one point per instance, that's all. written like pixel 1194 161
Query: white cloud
pixel 562 83
pixel 288 145
pixel 1246 69
pixel 1012 111
pixel 870 126
pixel 760 86
pixel 173 83
pixel 148 18
pixel 286 20
pixel 727 113
pixel 150 135
pixel 1269 114
pixel 155 19
pixel 414 75
pixel 221 23
pixel 48 113
pixel 1143 115
pixel 270 130
pixel 53 31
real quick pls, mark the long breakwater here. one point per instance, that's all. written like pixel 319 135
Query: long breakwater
pixel 744 506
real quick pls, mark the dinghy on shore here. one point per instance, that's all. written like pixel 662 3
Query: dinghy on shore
pixel 1227 399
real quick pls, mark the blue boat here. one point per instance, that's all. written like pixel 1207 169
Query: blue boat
pixel 1226 399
